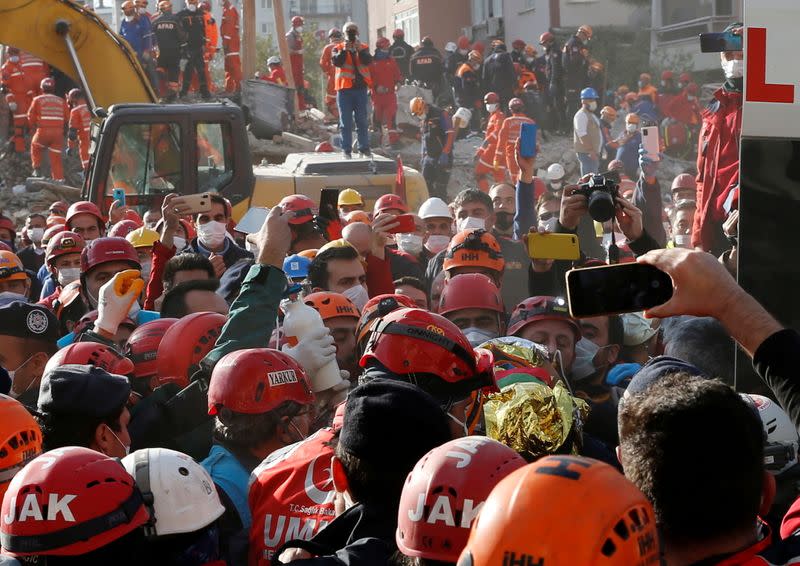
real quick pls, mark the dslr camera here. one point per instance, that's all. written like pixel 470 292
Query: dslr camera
pixel 601 191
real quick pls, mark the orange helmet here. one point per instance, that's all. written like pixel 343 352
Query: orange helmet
pixel 332 305
pixel 645 77
pixel 417 106
pixel 530 513
pixel 310 254
pixel 608 112
pixel 20 440
pixel 587 29
pixel 185 343
pixel 378 307
pixel 11 268
pixel 474 248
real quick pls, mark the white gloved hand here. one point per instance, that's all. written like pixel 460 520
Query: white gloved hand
pixel 115 299
pixel 313 351
pixel 12 106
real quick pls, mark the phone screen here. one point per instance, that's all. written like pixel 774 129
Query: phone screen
pixel 628 287
pixel 252 221
pixel 720 41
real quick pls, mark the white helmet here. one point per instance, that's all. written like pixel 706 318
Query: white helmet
pixel 274 60
pixel 638 329
pixel 450 47
pixel 780 450
pixel 463 115
pixel 434 207
pixel 555 172
pixel 184 498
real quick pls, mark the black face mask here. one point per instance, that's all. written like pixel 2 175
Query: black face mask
pixel 503 220
pixel 351 35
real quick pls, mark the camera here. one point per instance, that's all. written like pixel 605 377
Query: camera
pixel 601 192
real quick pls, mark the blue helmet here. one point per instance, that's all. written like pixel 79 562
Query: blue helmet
pixel 296 266
pixel 589 94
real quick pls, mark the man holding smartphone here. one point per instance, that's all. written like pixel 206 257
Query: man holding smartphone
pixel 352 59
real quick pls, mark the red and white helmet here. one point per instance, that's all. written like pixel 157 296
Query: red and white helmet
pixel 84 207
pixel 444 492
pixel 780 450
pixel 63 243
pixel 67 502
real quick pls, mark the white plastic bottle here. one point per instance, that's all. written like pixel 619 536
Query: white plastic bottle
pixel 301 320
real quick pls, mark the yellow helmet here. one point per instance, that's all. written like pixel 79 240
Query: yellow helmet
pixel 340 243
pixel 143 237
pixel 350 197
pixel 417 106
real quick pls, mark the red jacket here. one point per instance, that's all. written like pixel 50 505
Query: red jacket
pixel 717 163
pixel 48 111
pixel 385 74
pixel 277 76
pixel 683 110
pixel 229 29
pixel 155 286
pixel 12 78
pixel 486 153
pixel 507 138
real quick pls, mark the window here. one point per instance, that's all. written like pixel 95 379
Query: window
pixel 408 21
pixel 214 161
pixel 528 5
pixel 382 32
pixel 146 159
pixel 264 28
pixel 263 4
pixel 678 11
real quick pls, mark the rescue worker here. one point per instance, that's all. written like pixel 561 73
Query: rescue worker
pixel 18 99
pixel 170 35
pixel 587 137
pixel 385 77
pixel 80 123
pixel 142 349
pixel 137 30
pixel 351 59
pixel 472 301
pixel 629 144
pixel 554 88
pixel 340 316
pixel 427 66
pixel 457 58
pixel 486 152
pixel 276 73
pixel 20 438
pixel 294 42
pixel 48 117
pixel 231 44
pixel 607 118
pixel 212 40
pixel 668 85
pixel 498 73
pixel 193 26
pixel 595 78
pixel 684 79
pixel 466 87
pixel 35 70
pixel 438 137
pixel 401 52
pixel 646 88
pixel 349 200
pixel 326 64
pixel 576 67
pixel 507 138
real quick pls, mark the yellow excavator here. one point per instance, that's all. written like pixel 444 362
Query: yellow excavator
pixel 150 149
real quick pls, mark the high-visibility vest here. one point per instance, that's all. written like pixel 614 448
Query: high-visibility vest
pixel 346 74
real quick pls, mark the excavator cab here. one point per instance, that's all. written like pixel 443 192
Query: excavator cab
pixel 152 150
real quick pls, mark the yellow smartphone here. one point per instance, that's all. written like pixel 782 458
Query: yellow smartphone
pixel 553 246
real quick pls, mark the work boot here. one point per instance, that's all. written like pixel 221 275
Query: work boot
pixel 365 152
pixel 36 173
pixel 347 155
pixel 205 95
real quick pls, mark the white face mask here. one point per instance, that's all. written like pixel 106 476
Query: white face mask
pixel 551 224
pixel 478 336
pixel 12 372
pixel 682 240
pixel 592 106
pixel 437 243
pixel 471 223
pixel 141 11
pixel 67 275
pixel 409 243
pixel 147 267
pixel 491 107
pixel 129 18
pixel 36 234
pixel 211 234
pixel 179 243
pixel 556 185
pixel 734 69
pixel 191 7
pixel 14 59
pixel 585 353
pixel 124 446
pixel 358 295
pixel 299 29
pixel 631 127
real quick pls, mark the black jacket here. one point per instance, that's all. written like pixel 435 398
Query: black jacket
pixel 427 66
pixel 169 33
pixel 499 75
pixel 401 52
pixel 233 254
pixel 575 64
pixel 194 29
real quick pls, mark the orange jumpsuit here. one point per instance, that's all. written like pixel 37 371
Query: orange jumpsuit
pixel 485 164
pixel 294 42
pixel 35 70
pixel 326 62
pixel 17 97
pixel 210 49
pixel 506 140
pixel 80 122
pixel 231 43
pixel 277 76
pixel 48 114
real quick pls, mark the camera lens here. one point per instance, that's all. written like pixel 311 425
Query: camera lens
pixel 601 206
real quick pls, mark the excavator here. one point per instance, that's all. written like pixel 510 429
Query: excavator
pixel 151 149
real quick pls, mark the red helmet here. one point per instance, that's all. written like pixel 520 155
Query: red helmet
pixel 60 242
pixel 142 346
pixel 324 147
pixel 122 228
pixel 685 78
pixel 20 439
pixel 398 34
pixel 378 307
pixel 411 342
pixel 74 95
pixel 667 76
pixel 48 85
pixel 70 501
pixel 302 206
pixel 546 38
pixel 8 224
pixel 185 343
pixel 94 354
pixel 383 43
pixel 491 98
pixel 516 105
pixel 389 202
pixel 479 47
pixel 450 484
pixel 84 207
pixel 684 181
pixel 55 220
pixel 470 291
pixel 332 305
pixel 105 250
pixel 257 381
pixel 463 42
pixel 518 44
pixel 541 308
pixel 297 21
pixel 334 33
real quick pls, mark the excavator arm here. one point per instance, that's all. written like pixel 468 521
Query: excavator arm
pixel 110 66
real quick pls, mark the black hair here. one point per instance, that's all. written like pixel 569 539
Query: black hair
pixel 186 262
pixel 37 215
pixel 616 330
pixel 241 431
pixel 704 343
pixel 59 430
pixel 372 483
pixel 414 282
pixel 473 195
pixel 318 270
pixel 174 305
pixel 696 450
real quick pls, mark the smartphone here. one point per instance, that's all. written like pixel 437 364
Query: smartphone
pixel 720 41
pixel 119 196
pixel 527 140
pixel 252 221
pixel 614 289
pixel 198 203
pixel 553 246
pixel 328 204
pixel 406 224
pixel 651 142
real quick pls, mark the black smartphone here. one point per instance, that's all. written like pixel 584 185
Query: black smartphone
pixel 720 41
pixel 328 203
pixel 614 289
